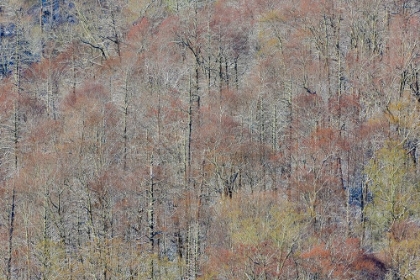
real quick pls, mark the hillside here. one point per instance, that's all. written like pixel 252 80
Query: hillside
pixel 200 139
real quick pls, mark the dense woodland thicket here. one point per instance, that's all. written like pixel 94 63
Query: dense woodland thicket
pixel 200 139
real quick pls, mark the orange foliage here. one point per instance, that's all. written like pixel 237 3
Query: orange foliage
pixel 343 259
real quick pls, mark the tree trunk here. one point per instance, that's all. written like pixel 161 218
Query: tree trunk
pixel 11 229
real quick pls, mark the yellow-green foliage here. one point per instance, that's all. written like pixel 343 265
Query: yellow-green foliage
pixel 256 221
pixel 387 172
pixel 395 196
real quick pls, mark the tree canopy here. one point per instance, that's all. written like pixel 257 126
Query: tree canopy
pixel 209 139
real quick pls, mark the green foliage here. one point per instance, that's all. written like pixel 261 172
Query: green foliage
pixel 263 233
pixel 393 213
pixel 393 190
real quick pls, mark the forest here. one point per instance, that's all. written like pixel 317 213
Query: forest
pixel 210 139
